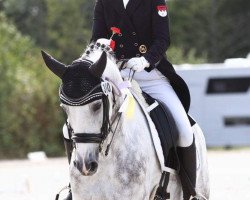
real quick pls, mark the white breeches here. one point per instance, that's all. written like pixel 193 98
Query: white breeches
pixel 157 85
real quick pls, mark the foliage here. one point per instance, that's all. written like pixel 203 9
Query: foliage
pixel 218 28
pixel 28 98
pixel 29 17
pixel 233 28
pixel 178 56
pixel 189 25
pixel 63 26
pixel 69 23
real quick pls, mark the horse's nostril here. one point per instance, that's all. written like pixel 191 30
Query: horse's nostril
pixel 78 164
pixel 92 166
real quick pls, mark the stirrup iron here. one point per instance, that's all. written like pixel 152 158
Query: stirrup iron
pixel 198 197
pixel 64 188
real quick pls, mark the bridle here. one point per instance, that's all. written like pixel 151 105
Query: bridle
pixel 107 123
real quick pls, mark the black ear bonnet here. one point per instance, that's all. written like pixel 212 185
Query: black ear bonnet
pixel 79 86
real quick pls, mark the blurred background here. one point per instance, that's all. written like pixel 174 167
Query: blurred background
pixel 202 32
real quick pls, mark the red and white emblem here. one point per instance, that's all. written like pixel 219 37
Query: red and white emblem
pixel 162 10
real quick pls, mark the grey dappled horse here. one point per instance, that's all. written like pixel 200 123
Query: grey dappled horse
pixel 131 170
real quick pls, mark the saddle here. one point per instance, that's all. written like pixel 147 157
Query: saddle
pixel 166 128
pixel 168 135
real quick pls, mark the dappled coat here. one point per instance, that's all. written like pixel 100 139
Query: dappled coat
pixel 144 29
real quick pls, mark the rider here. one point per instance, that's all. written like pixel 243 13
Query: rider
pixel 144 39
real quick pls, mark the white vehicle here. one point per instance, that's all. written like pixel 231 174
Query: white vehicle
pixel 220 100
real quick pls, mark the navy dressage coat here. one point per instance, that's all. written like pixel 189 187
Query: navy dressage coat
pixel 144 26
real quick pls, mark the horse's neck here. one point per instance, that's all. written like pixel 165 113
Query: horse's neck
pixel 134 129
pixel 134 132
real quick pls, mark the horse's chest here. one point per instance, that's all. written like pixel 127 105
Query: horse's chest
pixel 130 169
pixel 126 179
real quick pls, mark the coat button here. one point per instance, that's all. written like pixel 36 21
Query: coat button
pixel 136 44
pixel 121 45
pixel 143 48
pixel 133 33
pixel 122 56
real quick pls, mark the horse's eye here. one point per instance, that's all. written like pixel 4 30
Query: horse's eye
pixel 96 106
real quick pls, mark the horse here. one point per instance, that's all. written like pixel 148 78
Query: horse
pixel 113 156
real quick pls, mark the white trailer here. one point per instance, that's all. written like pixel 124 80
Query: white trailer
pixel 220 100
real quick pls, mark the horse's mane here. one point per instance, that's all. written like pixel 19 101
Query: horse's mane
pixel 96 48
pixel 93 52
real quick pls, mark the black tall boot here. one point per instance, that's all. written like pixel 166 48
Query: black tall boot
pixel 187 156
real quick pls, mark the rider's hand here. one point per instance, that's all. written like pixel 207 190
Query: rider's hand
pixel 137 64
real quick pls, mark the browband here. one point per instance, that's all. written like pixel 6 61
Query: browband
pixel 91 96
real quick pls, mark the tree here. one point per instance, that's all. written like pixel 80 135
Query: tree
pixel 69 27
pixel 189 25
pixel 62 26
pixel 218 28
pixel 29 17
pixel 178 56
pixel 29 116
pixel 233 28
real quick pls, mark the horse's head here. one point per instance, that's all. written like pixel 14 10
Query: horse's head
pixel 88 99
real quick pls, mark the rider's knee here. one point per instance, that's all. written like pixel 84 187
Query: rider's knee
pixel 185 136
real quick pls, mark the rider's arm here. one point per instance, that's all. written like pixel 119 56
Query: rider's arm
pixel 160 35
pixel 99 29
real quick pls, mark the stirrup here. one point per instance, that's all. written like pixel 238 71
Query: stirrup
pixel 64 188
pixel 198 197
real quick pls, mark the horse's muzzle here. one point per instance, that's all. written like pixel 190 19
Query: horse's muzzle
pixel 86 168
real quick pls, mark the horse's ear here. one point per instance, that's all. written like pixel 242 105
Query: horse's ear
pixel 99 66
pixel 55 66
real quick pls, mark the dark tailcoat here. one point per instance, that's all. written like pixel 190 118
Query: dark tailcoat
pixel 144 29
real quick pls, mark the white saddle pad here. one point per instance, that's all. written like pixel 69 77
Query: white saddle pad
pixel 154 134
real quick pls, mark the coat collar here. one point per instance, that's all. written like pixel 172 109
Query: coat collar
pixel 131 7
pixel 118 5
pixel 125 13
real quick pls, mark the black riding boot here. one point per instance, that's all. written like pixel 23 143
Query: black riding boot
pixel 68 148
pixel 187 156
